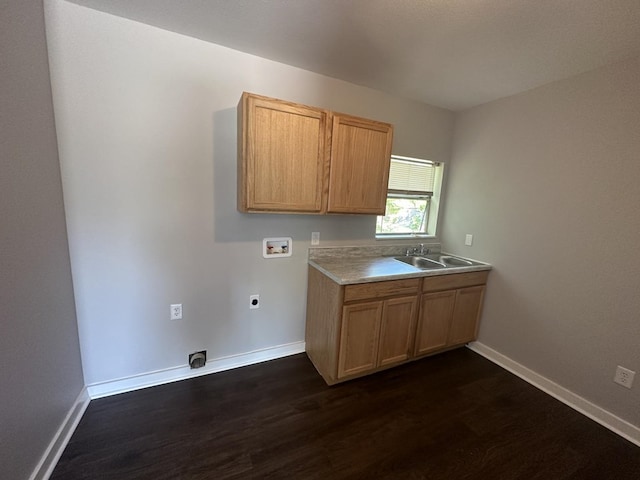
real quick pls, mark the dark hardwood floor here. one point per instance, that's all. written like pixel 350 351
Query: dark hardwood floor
pixel 451 416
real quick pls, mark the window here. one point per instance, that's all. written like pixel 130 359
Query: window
pixel 412 198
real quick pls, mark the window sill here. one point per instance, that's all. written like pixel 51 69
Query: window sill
pixel 408 236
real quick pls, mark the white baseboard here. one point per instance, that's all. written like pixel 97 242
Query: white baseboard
pixel 594 412
pixel 159 377
pixel 52 454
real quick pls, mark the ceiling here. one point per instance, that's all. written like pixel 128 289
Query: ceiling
pixel 451 53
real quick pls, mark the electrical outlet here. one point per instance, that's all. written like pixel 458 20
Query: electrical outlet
pixel 254 301
pixel 315 238
pixel 176 311
pixel 624 376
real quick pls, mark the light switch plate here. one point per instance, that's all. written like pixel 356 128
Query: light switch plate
pixel 468 240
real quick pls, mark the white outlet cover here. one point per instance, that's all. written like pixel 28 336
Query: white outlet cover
pixel 254 298
pixel 624 376
pixel 176 311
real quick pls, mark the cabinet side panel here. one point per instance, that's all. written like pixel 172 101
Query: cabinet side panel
pixel 242 167
pixel 324 309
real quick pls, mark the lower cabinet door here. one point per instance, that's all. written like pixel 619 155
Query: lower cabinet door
pixel 464 326
pixel 434 321
pixel 397 330
pixel 359 337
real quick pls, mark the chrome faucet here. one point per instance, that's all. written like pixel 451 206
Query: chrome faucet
pixel 418 250
pixel 422 250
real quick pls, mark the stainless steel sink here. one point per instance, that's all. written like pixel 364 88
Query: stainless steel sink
pixel 421 262
pixel 431 261
pixel 455 261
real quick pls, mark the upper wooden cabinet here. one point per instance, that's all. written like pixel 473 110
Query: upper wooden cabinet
pixel 282 156
pixel 295 158
pixel 360 157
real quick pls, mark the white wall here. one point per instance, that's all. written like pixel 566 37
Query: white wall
pixel 40 367
pixel 147 131
pixel 549 184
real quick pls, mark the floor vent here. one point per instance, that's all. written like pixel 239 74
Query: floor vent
pixel 198 359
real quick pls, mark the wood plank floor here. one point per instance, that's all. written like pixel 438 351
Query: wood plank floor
pixel 451 416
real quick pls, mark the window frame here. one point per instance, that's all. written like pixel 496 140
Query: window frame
pixel 432 208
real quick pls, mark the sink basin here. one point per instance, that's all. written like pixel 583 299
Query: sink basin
pixel 455 261
pixel 431 261
pixel 421 262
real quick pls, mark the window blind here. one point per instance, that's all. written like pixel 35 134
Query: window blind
pixel 409 177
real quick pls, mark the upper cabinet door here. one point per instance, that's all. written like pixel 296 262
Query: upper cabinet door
pixel 283 160
pixel 360 157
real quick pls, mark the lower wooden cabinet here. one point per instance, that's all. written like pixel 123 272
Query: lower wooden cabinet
pixel 376 334
pixel 359 338
pixel 436 312
pixel 448 318
pixel 397 330
pixel 466 315
pixel 359 329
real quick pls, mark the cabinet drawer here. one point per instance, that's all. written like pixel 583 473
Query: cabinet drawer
pixel 458 280
pixel 363 291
